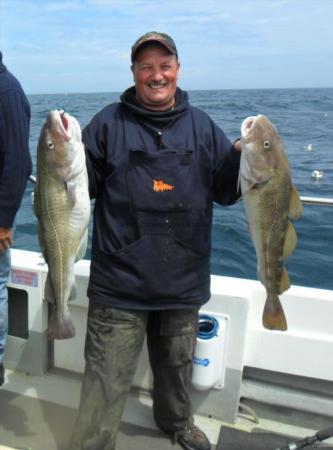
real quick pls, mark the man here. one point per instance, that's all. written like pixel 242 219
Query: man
pixel 155 165
pixel 15 168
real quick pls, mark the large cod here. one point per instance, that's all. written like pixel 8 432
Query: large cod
pixel 62 207
pixel 270 200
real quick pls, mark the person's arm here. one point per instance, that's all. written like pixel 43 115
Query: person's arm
pixel 15 159
pixel 95 156
pixel 226 174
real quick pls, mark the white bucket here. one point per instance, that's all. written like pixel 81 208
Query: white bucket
pixel 208 361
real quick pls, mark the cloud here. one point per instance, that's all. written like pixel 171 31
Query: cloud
pixel 218 40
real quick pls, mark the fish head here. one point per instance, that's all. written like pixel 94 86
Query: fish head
pixel 262 149
pixel 260 133
pixel 60 141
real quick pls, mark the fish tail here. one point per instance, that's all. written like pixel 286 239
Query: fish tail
pixel 273 317
pixel 60 328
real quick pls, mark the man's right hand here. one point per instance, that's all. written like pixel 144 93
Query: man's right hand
pixel 6 238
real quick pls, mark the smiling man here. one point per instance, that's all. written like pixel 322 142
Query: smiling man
pixel 156 164
pixel 155 70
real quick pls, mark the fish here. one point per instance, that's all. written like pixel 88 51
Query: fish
pixel 270 201
pixel 62 208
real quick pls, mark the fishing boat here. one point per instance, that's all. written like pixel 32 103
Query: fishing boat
pixel 266 383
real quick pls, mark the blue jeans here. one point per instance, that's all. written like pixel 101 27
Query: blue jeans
pixel 4 274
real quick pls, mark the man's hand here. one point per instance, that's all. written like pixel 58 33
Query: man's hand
pixel 6 238
pixel 237 145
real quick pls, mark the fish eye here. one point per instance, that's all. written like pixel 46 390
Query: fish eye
pixel 267 144
pixel 50 145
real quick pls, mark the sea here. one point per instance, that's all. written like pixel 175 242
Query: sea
pixel 304 118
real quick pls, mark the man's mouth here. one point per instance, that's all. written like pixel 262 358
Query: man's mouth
pixel 157 85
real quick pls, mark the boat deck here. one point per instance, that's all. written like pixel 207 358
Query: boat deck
pixel 277 374
pixel 38 413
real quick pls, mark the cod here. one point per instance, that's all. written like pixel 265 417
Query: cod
pixel 62 208
pixel 270 200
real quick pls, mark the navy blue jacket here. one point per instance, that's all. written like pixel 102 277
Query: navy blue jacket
pixel 154 176
pixel 15 159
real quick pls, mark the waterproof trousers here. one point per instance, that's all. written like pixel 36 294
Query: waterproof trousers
pixel 4 274
pixel 113 344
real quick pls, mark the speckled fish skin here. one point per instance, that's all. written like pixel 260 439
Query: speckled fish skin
pixel 270 200
pixel 62 207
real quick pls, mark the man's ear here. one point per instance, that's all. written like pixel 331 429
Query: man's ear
pixel 178 70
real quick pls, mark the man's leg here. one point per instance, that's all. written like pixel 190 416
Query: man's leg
pixel 4 274
pixel 171 343
pixel 171 338
pixel 113 345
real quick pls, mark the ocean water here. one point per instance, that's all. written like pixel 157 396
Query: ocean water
pixel 304 118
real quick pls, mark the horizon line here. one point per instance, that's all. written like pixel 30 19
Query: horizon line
pixel 187 90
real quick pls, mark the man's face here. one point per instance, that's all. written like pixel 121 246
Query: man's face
pixel 155 73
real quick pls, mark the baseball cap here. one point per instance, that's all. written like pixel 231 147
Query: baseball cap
pixel 154 36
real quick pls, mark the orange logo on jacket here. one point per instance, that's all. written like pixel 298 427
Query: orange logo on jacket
pixel 160 186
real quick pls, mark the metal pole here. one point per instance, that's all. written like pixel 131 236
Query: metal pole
pixel 319 436
pixel 317 201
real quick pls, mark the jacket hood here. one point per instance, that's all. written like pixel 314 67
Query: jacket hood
pixel 2 66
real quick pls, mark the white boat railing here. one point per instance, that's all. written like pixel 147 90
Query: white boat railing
pixel 317 201
pixel 305 200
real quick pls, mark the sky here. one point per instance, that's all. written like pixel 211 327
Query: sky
pixel 84 45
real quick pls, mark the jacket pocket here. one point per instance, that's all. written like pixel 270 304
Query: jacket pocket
pixel 161 182
pixel 154 268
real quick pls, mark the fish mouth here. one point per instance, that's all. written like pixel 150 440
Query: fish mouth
pixel 247 126
pixel 250 124
pixel 59 122
pixel 64 119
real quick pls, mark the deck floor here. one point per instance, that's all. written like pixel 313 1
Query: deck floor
pixel 29 423
pixel 38 413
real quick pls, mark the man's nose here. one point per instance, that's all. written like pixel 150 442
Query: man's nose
pixel 157 74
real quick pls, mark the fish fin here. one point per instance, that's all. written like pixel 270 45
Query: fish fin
pixel 35 203
pixel 284 282
pixel 48 290
pixel 73 293
pixel 295 205
pixel 290 241
pixel 273 316
pixel 255 185
pixel 239 189
pixel 83 246
pixel 250 179
pixel 71 190
pixel 60 329
pixel 42 243
pixel 259 275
